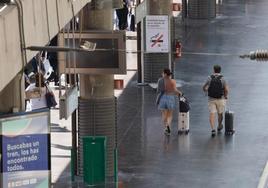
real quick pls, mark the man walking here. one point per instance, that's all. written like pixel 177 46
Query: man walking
pixel 217 90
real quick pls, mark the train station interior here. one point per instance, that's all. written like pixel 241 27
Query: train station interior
pixel 78 89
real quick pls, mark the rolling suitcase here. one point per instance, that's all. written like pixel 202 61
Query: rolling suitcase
pixel 229 122
pixel 184 116
pixel 183 122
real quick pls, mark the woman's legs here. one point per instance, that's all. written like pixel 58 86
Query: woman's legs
pixel 169 117
pixel 164 118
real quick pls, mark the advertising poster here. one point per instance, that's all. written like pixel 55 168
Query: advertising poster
pixel 25 150
pixel 157 34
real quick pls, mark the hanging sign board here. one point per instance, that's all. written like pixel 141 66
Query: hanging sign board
pixel 68 103
pixel 157 34
pixel 108 57
pixel 25 150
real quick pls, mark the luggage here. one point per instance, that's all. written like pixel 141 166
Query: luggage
pixel 184 104
pixel 184 116
pixel 229 122
pixel 183 122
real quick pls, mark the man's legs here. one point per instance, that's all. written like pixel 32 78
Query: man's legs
pixel 212 120
pixel 212 123
pixel 220 110
pixel 220 118
pixel 212 112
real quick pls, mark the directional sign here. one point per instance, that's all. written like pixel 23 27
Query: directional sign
pixel 157 34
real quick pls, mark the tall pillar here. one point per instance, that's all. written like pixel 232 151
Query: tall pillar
pixel 12 96
pixel 160 7
pixel 97 104
pixel 202 9
pixel 153 63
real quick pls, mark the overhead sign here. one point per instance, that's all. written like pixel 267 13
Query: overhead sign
pixel 108 57
pixel 157 34
pixel 25 150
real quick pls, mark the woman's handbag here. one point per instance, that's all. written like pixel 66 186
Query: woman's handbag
pixel 50 98
pixel 158 97
pixel 161 90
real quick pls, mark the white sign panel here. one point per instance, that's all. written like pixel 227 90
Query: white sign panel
pixel 157 34
pixel 68 103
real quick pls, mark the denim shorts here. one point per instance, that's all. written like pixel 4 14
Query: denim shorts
pixel 167 102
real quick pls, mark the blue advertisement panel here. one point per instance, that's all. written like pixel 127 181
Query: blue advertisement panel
pixel 25 150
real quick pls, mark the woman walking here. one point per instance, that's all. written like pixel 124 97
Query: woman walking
pixel 167 93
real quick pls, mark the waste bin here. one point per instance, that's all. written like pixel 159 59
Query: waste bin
pixel 94 159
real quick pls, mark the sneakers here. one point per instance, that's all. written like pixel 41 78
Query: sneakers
pixel 213 133
pixel 167 130
pixel 220 127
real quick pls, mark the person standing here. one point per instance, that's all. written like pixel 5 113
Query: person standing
pixel 122 15
pixel 131 20
pixel 217 90
pixel 167 102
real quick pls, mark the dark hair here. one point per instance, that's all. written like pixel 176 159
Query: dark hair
pixel 217 68
pixel 167 72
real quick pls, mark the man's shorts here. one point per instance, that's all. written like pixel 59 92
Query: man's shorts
pixel 216 105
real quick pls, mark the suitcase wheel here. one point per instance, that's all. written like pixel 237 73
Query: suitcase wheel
pixel 231 132
pixel 187 131
pixel 180 132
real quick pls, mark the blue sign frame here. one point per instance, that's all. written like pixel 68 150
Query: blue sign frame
pixel 25 150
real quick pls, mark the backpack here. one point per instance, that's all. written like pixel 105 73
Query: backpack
pixel 184 104
pixel 216 89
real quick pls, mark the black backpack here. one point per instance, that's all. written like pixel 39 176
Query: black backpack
pixel 215 89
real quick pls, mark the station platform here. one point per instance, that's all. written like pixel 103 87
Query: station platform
pixel 150 159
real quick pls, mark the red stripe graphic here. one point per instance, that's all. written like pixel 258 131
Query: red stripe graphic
pixel 157 40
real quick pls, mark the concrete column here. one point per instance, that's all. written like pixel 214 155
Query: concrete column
pixel 184 9
pixel 160 7
pixel 97 104
pixel 202 9
pixel 12 96
pixel 153 63
pixel 96 86
pixel 98 15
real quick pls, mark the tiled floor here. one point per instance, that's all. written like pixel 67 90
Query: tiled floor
pixel 149 159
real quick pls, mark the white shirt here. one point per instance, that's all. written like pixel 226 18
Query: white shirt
pixel 37 103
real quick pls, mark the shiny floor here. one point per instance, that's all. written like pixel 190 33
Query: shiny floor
pixel 149 159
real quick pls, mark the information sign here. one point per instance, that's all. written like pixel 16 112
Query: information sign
pixel 157 34
pixel 25 150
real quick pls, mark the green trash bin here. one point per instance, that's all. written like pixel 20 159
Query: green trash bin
pixel 94 153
